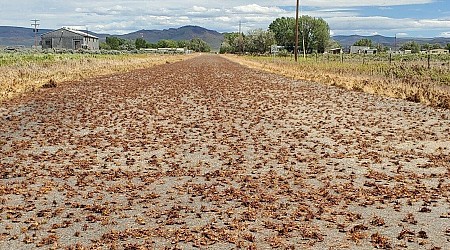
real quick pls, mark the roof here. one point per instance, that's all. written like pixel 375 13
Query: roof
pixel 81 33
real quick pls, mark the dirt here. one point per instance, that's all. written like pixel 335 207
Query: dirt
pixel 208 154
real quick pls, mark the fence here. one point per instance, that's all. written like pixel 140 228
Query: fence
pixel 441 61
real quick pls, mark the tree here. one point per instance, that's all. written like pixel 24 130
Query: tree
pixel 436 46
pixel 425 46
pixel 314 31
pixel 183 44
pixel 230 43
pixel 333 44
pixel 284 31
pixel 259 41
pixel 380 47
pixel 448 46
pixel 413 46
pixel 115 43
pixel 167 44
pixel 105 46
pixel 140 43
pixel 363 42
pixel 198 45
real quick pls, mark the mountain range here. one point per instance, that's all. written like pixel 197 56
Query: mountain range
pixel 10 36
pixel 347 41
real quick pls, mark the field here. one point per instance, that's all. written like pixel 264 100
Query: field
pixel 29 71
pixel 208 154
pixel 406 76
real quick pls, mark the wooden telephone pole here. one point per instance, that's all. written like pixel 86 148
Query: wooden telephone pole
pixel 35 25
pixel 296 33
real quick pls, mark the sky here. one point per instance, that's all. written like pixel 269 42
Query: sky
pixel 401 18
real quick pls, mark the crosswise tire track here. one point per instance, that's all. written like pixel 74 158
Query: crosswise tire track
pixel 206 153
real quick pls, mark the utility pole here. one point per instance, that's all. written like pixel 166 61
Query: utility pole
pixel 395 43
pixel 303 33
pixel 296 33
pixel 35 25
pixel 241 42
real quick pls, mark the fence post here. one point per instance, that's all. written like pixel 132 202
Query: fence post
pixel 390 58
pixel 342 57
pixel 429 59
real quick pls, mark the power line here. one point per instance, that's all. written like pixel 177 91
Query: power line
pixel 35 25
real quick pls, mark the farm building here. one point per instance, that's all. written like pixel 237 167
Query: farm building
pixel 438 51
pixel 358 49
pixel 66 38
pixel 362 50
pixel 336 51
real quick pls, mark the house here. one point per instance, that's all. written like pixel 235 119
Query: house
pixel 438 51
pixel 358 49
pixel 370 51
pixel 66 38
pixel 336 51
pixel 362 50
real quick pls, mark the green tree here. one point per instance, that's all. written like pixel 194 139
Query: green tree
pixel 183 44
pixel 105 46
pixel 140 43
pixel 364 42
pixel 198 45
pixel 127 45
pixel 115 43
pixel 413 46
pixel 448 46
pixel 167 44
pixel 380 47
pixel 230 43
pixel 333 44
pixel 284 31
pixel 425 46
pixel 315 32
pixel 436 46
pixel 259 41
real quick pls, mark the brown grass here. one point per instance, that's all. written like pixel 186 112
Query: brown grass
pixel 421 89
pixel 27 76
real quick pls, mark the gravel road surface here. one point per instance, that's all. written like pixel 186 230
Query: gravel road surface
pixel 208 154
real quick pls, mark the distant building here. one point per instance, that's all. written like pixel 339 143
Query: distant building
pixel 358 49
pixel 336 51
pixel 439 51
pixel 66 38
pixel 362 50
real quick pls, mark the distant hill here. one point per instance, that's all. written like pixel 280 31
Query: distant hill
pixel 213 38
pixel 347 41
pixel 10 36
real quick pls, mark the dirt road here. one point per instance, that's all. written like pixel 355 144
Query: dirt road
pixel 207 153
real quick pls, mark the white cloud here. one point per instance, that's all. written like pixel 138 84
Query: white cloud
pixel 361 3
pixel 199 9
pixel 257 9
pixel 445 34
pixel 386 23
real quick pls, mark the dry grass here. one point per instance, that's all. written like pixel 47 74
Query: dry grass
pixel 21 74
pixel 409 83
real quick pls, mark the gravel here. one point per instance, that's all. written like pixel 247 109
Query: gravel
pixel 208 154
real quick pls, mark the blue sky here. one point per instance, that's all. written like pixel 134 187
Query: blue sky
pixel 418 18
